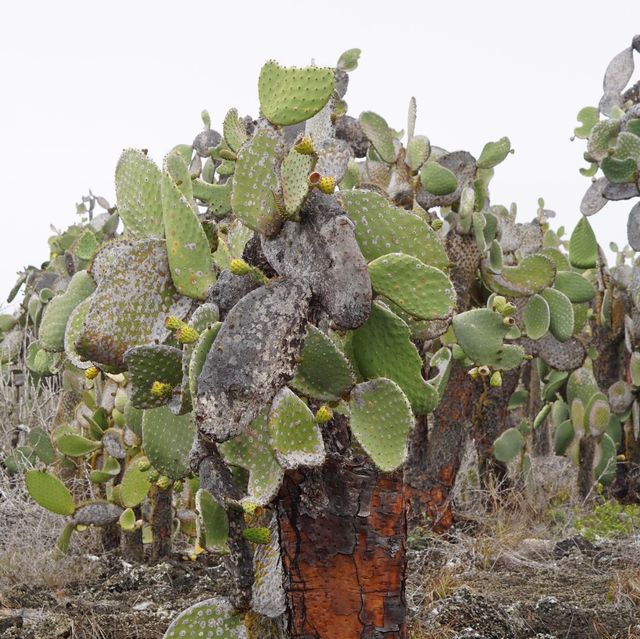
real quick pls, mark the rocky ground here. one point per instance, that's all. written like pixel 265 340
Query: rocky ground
pixel 462 586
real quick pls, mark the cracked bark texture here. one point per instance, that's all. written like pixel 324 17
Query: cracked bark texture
pixel 343 543
pixel 433 463
pixel 161 523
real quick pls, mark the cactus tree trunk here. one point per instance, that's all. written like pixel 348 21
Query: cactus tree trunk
pixel 343 542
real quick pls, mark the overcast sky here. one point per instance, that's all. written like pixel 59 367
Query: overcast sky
pixel 83 80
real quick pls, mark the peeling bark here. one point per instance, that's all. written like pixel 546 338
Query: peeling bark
pixel 343 543
pixel 161 521
pixel 432 467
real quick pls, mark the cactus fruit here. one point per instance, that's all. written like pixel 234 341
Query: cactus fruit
pixel 161 390
pixel 259 536
pixel 327 184
pixel 155 370
pixel 187 335
pixel 324 414
pixel 305 146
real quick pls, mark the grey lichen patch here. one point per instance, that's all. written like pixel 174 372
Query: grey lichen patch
pixel 130 305
pixel 463 166
pixel 322 251
pixel 229 289
pixel 253 355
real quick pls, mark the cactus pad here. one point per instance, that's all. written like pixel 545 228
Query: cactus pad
pixel 438 179
pixel 531 275
pixel 493 153
pixel 148 365
pixel 49 492
pixel 256 182
pixel 135 484
pixel 97 513
pixel 382 228
pixel 210 619
pixel 536 317
pixel 561 314
pixel 130 305
pixel 265 326
pixel 138 194
pixel 583 247
pixel 294 434
pixel 76 445
pixel 267 593
pixel 423 291
pixel 215 520
pixel 324 372
pixel 377 130
pixel 291 95
pixel 252 451
pixel 381 420
pixel 383 348
pixel 167 441
pixel 508 445
pixel 188 247
pixel 234 130
pixel 295 184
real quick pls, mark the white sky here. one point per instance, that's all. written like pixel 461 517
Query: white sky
pixel 82 80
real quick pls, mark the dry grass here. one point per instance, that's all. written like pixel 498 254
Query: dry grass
pixel 28 533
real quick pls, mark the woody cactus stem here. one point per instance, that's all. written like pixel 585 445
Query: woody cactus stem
pixel 432 467
pixel 344 555
pixel 161 522
pixel 131 542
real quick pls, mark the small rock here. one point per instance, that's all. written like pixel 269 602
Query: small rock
pixel 143 605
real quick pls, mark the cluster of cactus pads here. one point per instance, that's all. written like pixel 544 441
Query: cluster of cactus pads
pixel 299 267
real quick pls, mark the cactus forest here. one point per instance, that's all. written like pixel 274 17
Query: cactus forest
pixel 273 346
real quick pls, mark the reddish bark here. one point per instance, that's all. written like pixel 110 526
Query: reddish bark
pixel 343 534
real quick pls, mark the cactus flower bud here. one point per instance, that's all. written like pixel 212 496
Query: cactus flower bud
pixel 496 379
pixel 177 486
pixel 144 465
pixel 327 184
pixel 484 371
pixel 257 535
pixel 474 372
pixel 249 507
pixel 436 225
pixel 499 303
pixel 621 458
pixel 305 146
pixel 161 389
pixel 324 414
pixel 92 372
pixel 163 482
pixel 239 267
pixel 173 323
pixel 153 474
pixel 509 321
pixel 187 335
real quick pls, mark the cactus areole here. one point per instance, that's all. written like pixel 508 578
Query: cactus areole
pixel 305 318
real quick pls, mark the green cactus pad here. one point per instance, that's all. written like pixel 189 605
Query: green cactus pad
pixel 7 322
pixel 110 469
pixel 215 520
pixel 167 441
pixel 493 153
pixel 561 314
pixel 480 333
pixel 634 368
pixel 377 130
pixel 211 619
pixel 127 520
pixel 536 317
pixel 381 420
pixel 97 513
pixel 133 418
pixel 295 183
pixel 423 291
pixel 437 179
pixel 628 146
pixel 382 347
pixel 256 180
pixel 564 435
pixel 199 355
pixel 583 247
pixel 41 444
pixel 252 451
pixel 294 434
pixel 382 228
pixel 324 372
pixel 49 492
pixel 620 171
pixel 234 131
pixel 216 196
pixel 348 61
pixel 604 470
pixel 597 414
pixel 187 244
pixel 130 306
pixel 138 194
pixel 576 287
pixel 43 362
pixel 418 152
pixel 76 445
pixel 58 310
pixel 581 385
pixel 135 484
pixel 149 364
pixel 588 116
pixel 73 331
pixel 603 136
pixel 508 446
pixel 289 95
pixel 530 276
